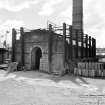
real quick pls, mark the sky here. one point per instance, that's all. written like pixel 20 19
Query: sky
pixel 34 14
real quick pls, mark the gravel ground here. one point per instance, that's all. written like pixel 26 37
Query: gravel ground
pixel 35 88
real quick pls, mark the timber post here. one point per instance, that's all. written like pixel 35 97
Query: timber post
pixel 76 44
pixel 71 43
pixel 22 45
pixel 2 53
pixel 50 48
pixel 64 41
pixel 90 47
pixel 13 45
pixel 86 49
pixel 94 47
pixel 82 47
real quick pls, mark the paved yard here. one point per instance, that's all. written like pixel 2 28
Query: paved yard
pixel 34 88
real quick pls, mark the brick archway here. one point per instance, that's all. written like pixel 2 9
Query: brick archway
pixel 36 54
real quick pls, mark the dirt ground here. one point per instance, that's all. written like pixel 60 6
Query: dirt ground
pixel 35 88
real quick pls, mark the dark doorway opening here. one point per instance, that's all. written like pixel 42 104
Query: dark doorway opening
pixel 36 54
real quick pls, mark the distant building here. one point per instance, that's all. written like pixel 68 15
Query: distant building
pixel 3 55
pixel 100 51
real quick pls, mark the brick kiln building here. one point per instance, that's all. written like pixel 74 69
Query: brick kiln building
pixel 49 51
pixel 39 49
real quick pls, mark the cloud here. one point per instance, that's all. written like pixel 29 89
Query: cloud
pixel 67 15
pixel 14 5
pixel 9 24
pixel 48 8
pixel 58 11
pixel 94 21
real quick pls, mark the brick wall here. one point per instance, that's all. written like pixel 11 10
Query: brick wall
pixel 39 38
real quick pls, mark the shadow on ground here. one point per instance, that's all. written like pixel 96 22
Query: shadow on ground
pixel 39 75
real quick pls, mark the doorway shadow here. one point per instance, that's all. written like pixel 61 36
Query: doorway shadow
pixel 34 75
pixel 36 55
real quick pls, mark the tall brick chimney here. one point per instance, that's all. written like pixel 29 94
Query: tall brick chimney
pixel 77 15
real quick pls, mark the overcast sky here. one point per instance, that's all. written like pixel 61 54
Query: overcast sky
pixel 35 13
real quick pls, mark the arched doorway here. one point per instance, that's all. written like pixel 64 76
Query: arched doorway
pixel 36 54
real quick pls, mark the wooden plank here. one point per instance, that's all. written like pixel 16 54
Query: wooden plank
pixel 76 71
pixel 87 69
pixel 104 73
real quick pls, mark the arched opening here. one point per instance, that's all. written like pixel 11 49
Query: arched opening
pixel 36 54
